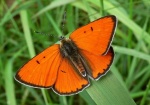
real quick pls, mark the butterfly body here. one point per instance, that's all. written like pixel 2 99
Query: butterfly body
pixel 69 50
pixel 66 67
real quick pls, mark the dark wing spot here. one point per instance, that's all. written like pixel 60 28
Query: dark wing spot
pixel 84 31
pixel 63 71
pixel 37 61
pixel 92 28
pixel 44 57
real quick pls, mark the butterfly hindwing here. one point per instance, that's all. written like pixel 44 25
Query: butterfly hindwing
pixel 99 64
pixel 96 36
pixel 41 71
pixel 68 80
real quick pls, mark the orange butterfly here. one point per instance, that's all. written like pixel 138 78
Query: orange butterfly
pixel 66 67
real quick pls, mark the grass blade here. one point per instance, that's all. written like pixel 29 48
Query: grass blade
pixel 9 85
pixel 108 91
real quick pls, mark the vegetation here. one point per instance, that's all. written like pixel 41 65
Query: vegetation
pixel 128 81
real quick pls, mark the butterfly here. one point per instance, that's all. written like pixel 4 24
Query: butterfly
pixel 67 67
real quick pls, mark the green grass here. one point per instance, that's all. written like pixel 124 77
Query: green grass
pixel 128 81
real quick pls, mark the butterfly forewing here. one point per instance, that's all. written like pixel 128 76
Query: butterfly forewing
pixel 96 36
pixel 41 71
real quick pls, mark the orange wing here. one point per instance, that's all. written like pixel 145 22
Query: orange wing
pixel 68 80
pixel 99 63
pixel 41 71
pixel 96 36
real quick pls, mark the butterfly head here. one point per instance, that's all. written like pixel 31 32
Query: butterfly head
pixel 61 38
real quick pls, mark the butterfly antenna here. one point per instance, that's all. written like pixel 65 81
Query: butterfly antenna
pixel 42 33
pixel 63 22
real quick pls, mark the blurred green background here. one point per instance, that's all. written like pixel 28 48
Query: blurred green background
pixel 127 82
